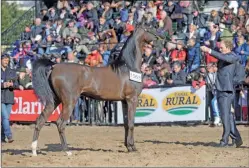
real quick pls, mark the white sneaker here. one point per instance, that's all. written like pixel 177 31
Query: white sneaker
pixel 217 121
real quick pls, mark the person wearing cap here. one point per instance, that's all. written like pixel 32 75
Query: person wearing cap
pixel 94 59
pixel 24 79
pixel 8 84
pixel 44 14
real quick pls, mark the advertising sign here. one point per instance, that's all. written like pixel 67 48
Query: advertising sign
pixel 27 107
pixel 169 105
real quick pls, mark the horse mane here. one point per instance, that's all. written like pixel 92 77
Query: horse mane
pixel 127 54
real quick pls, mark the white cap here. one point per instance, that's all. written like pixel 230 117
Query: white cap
pixel 38 37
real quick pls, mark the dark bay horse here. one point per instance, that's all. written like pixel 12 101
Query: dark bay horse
pixel 66 81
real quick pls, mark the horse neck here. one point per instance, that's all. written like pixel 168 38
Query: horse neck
pixel 139 46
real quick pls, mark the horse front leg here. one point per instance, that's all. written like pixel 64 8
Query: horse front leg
pixel 132 104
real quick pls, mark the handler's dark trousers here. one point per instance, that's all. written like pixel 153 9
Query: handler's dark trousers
pixel 229 127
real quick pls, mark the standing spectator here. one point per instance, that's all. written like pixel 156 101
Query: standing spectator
pixel 8 83
pixel 194 57
pixel 242 50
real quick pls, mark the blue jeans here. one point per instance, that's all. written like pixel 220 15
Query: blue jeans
pixel 77 110
pixel 5 116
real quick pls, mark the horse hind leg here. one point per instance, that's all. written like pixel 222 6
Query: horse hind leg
pixel 40 121
pixel 61 125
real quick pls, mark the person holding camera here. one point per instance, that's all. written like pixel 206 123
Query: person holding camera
pixel 225 90
pixel 8 84
pixel 178 77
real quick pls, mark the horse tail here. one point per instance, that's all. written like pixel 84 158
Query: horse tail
pixel 40 81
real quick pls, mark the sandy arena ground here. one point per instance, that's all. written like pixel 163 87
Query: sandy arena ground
pixel 103 146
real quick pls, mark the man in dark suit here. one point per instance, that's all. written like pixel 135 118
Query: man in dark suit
pixel 178 75
pixel 225 90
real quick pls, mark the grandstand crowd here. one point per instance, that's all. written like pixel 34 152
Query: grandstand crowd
pixel 93 33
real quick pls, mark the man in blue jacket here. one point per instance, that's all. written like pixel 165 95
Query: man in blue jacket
pixel 242 50
pixel 8 83
pixel 225 90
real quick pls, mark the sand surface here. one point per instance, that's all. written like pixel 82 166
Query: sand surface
pixel 103 146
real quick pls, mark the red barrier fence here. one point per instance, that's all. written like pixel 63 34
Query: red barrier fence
pixel 27 107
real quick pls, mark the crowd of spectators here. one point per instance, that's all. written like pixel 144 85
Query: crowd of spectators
pixel 93 32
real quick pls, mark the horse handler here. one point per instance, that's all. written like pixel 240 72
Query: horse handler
pixel 225 90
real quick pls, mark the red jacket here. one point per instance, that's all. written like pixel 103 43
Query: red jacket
pixel 197 83
pixel 179 54
pixel 210 58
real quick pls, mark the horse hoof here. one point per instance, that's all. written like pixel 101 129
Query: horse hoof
pixel 69 153
pixel 34 153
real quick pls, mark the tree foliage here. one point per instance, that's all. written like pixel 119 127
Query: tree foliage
pixel 10 13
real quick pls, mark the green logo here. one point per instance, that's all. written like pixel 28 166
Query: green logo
pixel 181 103
pixel 147 104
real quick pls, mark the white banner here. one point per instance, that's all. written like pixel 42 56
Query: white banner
pixel 169 105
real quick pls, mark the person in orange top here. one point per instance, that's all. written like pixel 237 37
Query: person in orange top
pixel 179 54
pixel 94 59
pixel 197 84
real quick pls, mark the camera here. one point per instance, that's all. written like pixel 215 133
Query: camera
pixel 168 76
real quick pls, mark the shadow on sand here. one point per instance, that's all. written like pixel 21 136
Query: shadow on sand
pixel 208 144
pixel 54 148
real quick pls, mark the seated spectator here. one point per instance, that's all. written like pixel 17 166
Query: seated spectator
pixel 214 17
pixel 161 64
pixel 52 15
pixel 178 75
pixel 102 26
pixel 179 54
pixel 110 39
pixel 147 82
pixel 119 27
pixel 149 72
pixel 26 35
pixel 24 79
pixel 70 30
pixel 197 84
pixel 36 29
pixel 165 24
pixel 148 57
pixel 162 76
pixel 94 59
pixel 227 18
pixel 71 58
pixel 105 55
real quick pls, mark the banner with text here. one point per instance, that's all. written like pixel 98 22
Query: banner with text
pixel 169 105
pixel 27 107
